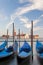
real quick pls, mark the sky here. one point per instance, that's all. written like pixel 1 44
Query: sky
pixel 21 12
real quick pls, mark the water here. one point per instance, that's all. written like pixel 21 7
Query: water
pixel 13 61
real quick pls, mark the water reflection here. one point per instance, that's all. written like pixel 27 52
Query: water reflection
pixel 7 61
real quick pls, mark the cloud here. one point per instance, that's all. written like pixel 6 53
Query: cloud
pixel 27 22
pixel 23 1
pixel 9 25
pixel 24 19
pixel 41 16
pixel 36 4
pixel 36 29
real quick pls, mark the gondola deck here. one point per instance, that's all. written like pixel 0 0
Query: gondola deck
pixel 4 54
pixel 3 45
pixel 8 52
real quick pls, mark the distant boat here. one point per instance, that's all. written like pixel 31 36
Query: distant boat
pixel 24 53
pixel 39 49
pixel 3 45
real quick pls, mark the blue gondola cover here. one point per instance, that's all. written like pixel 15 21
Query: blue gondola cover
pixel 25 47
pixel 39 47
pixel 9 49
pixel 2 46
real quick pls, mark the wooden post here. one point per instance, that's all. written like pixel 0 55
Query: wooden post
pixel 13 38
pixel 19 39
pixel 14 45
pixel 7 38
pixel 32 38
pixel 13 33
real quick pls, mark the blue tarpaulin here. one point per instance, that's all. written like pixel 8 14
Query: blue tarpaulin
pixel 25 47
pixel 2 46
pixel 4 53
pixel 23 54
pixel 39 47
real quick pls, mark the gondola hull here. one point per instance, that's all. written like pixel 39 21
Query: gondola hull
pixel 39 49
pixel 24 54
pixel 40 58
pixel 24 60
pixel 3 57
pixel 7 53
pixel 10 57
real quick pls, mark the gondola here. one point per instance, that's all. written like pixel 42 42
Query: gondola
pixel 39 49
pixel 7 52
pixel 3 45
pixel 24 53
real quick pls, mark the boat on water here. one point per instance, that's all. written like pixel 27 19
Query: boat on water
pixel 8 52
pixel 39 49
pixel 24 53
pixel 3 45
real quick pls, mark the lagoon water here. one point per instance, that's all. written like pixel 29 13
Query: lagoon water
pixel 13 61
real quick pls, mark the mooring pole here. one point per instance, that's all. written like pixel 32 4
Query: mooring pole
pixel 13 33
pixel 19 39
pixel 13 38
pixel 32 38
pixel 14 46
pixel 14 41
pixel 7 38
